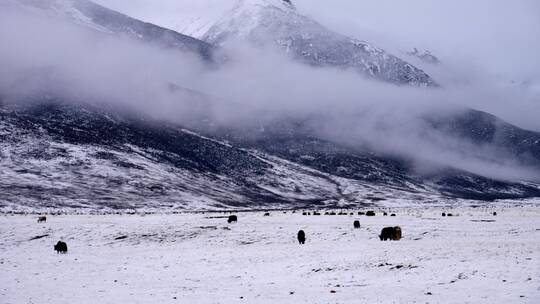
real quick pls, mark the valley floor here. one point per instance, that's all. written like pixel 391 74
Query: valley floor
pixel 473 257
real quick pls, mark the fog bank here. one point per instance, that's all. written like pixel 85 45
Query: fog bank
pixel 52 56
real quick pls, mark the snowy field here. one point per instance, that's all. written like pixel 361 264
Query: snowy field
pixel 473 257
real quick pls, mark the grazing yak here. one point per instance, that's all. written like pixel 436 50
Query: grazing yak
pixel 301 237
pixel 494 213
pixel 385 214
pixel 267 214
pixel 443 214
pixel 61 247
pixel 361 213
pixel 390 233
pixel 393 214
pixel 42 219
pixel 370 213
pixel 356 224
pixel 232 218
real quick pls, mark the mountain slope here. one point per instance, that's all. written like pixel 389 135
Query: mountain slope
pixel 60 153
pixel 278 22
pixel 79 156
pixel 97 17
pixel 485 129
pixel 55 155
pixel 298 143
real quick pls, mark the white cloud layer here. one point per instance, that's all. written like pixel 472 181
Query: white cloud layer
pixel 48 55
pixel 488 46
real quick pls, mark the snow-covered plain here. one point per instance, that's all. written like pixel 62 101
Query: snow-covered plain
pixel 473 257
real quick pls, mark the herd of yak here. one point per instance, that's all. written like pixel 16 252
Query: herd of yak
pixel 387 233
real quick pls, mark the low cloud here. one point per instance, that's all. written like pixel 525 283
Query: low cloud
pixel 52 56
pixel 487 47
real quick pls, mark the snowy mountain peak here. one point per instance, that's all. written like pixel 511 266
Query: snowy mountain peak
pixel 283 4
pixel 278 22
pixel 248 15
pixel 198 25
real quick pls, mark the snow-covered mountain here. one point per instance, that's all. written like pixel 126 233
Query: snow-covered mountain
pixel 55 154
pixel 65 155
pixel 278 22
pixel 96 17
pixel 59 152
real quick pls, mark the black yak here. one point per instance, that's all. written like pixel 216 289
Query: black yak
pixel 386 233
pixel 361 213
pixel 267 214
pixel 356 224
pixel 443 214
pixel 232 218
pixel 61 247
pixel 42 219
pixel 385 214
pixel 301 237
pixel 494 213
pixel 370 213
pixel 393 214
pixel 390 233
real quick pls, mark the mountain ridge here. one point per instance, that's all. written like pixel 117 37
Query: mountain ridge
pixel 60 152
pixel 81 156
pixel 91 15
pixel 278 23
